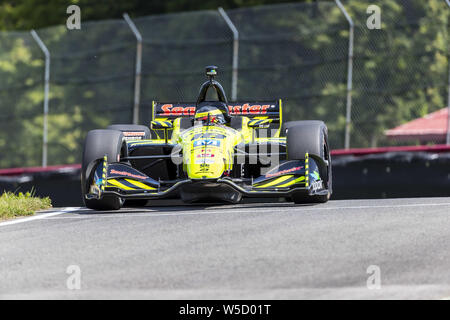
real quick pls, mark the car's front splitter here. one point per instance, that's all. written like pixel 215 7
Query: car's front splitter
pixel 203 187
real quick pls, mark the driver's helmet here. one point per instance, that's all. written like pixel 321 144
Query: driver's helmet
pixel 214 114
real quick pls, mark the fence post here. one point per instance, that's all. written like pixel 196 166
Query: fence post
pixel 348 116
pixel 234 77
pixel 137 81
pixel 447 140
pixel 46 90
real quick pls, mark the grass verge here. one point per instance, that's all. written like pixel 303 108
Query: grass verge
pixel 22 204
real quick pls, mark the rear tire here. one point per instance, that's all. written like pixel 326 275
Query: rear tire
pixel 309 137
pixel 99 143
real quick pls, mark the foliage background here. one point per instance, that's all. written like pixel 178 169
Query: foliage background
pixel 295 51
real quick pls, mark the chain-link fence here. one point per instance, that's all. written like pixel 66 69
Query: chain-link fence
pixel 297 52
pixel 400 71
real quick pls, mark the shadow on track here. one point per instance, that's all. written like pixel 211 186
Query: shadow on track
pixel 174 205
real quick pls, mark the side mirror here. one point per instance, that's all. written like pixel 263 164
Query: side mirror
pixel 161 125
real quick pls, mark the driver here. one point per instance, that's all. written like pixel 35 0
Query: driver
pixel 209 114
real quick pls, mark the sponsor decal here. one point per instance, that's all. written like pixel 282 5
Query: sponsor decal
pixel 207 142
pixel 316 175
pixel 136 135
pixel 126 173
pixel 204 161
pixel 317 185
pixel 279 173
pixel 132 138
pixel 133 133
pixel 206 155
pixel 248 108
pixel 169 109
pixel 208 135
pixel 204 167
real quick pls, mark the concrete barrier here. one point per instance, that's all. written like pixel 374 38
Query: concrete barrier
pixel 356 175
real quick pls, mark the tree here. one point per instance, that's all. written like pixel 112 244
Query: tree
pixel 34 14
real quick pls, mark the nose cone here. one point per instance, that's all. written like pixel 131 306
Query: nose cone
pixel 205 163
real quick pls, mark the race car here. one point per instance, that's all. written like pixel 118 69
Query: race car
pixel 207 151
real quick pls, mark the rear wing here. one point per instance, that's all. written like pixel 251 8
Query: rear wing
pixel 251 109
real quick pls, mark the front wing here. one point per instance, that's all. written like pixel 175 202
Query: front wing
pixel 295 176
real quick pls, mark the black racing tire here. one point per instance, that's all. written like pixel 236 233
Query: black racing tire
pixel 290 124
pixel 307 137
pixel 107 202
pixel 131 128
pixel 310 137
pixel 135 203
pixel 99 143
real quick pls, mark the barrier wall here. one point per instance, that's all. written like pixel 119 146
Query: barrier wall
pixel 60 183
pixel 392 175
pixel 356 175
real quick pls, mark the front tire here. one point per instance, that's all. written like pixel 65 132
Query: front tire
pixel 310 137
pixel 107 202
pixel 135 203
pixel 99 143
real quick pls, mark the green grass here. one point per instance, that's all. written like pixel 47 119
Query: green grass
pixel 22 204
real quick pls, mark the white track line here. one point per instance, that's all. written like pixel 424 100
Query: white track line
pixel 37 217
pixel 146 213
pixel 383 206
pixel 206 211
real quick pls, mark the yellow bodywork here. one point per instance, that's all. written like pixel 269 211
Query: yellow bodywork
pixel 207 150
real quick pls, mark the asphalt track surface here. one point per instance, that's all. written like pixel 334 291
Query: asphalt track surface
pixel 246 251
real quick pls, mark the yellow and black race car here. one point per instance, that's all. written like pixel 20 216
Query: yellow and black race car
pixel 208 151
